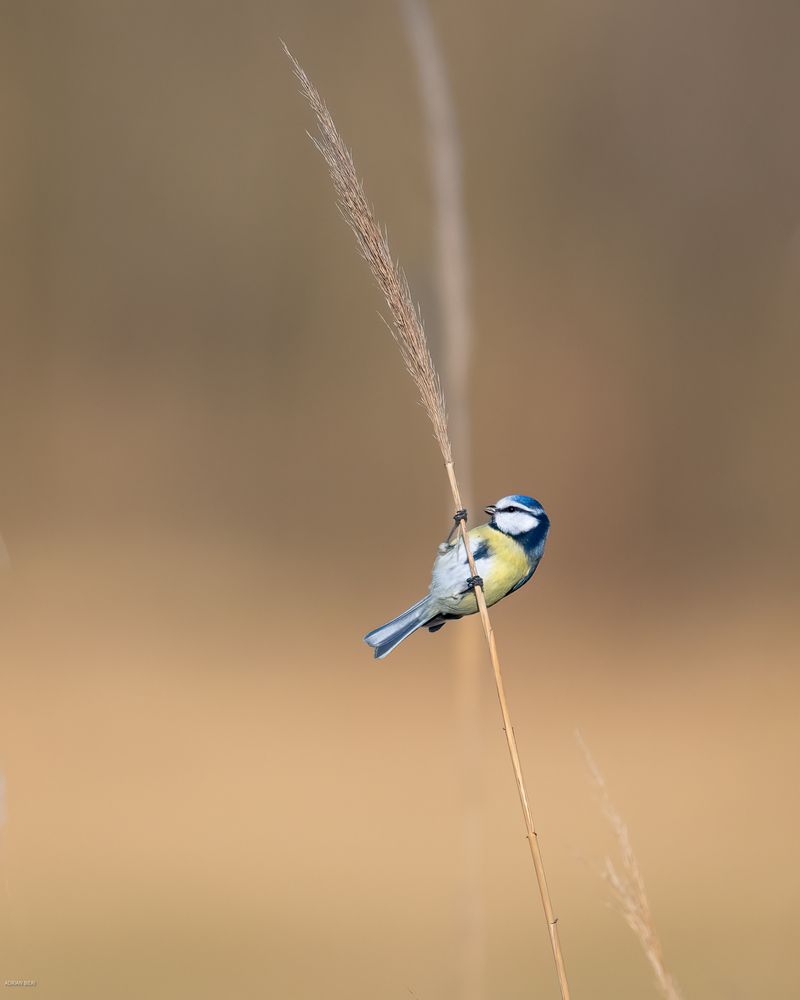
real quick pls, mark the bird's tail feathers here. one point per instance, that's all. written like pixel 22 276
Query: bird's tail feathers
pixel 384 639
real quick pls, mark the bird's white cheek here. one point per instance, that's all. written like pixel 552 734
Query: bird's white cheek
pixel 517 523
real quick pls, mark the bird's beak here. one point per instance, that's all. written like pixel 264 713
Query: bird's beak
pixel 491 509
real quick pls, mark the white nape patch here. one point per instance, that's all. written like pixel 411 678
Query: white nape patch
pixel 516 523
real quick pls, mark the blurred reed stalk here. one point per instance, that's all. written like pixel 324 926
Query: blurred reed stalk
pixel 5 558
pixel 450 231
pixel 628 886
pixel 452 292
pixel 409 335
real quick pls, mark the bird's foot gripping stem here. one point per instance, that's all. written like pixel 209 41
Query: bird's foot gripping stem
pixel 458 517
pixel 474 581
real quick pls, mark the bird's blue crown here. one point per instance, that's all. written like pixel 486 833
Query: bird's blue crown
pixel 528 502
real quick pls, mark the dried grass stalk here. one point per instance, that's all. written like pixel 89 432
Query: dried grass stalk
pixel 627 886
pixel 409 336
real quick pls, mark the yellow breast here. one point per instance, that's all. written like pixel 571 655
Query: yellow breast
pixel 505 563
pixel 508 564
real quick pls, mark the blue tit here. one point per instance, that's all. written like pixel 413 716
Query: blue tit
pixel 506 551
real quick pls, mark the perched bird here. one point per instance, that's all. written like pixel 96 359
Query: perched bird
pixel 506 551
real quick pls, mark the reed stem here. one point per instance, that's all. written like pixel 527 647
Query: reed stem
pixel 511 740
pixel 409 335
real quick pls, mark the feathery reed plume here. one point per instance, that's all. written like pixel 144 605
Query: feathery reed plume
pixel 410 337
pixel 452 290
pixel 627 886
pixel 406 327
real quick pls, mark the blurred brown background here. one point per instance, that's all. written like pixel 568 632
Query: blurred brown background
pixel 206 431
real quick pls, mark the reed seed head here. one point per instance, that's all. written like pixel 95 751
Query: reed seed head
pixel 406 323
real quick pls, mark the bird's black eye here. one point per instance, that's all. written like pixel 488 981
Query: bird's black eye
pixel 512 510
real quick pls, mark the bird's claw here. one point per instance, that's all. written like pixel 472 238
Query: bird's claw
pixel 458 517
pixel 474 581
